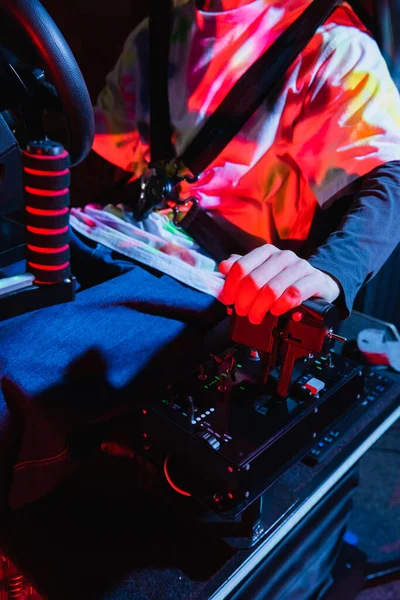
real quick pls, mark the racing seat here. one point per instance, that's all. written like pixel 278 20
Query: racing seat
pixel 386 17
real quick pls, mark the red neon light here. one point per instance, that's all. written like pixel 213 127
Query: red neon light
pixel 37 192
pixel 171 483
pixel 42 231
pixel 46 213
pixel 42 157
pixel 47 250
pixel 46 173
pixel 49 267
pixel 23 464
pixel 43 282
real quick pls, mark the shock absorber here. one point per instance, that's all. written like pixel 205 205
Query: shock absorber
pixel 46 182
pixel 13 585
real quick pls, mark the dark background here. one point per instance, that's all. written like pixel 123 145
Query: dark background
pixel 96 31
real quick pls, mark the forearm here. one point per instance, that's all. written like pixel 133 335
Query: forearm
pixel 368 234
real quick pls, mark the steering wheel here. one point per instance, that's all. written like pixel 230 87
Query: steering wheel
pixel 63 69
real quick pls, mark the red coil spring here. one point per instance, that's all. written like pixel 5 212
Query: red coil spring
pixel 16 586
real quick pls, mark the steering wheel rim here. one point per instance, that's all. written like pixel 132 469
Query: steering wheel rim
pixel 66 75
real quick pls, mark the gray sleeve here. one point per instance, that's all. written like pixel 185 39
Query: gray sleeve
pixel 367 235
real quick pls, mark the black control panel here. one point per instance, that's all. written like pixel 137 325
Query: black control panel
pixel 224 435
pixel 375 384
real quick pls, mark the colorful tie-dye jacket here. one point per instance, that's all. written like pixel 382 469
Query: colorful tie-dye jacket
pixel 337 119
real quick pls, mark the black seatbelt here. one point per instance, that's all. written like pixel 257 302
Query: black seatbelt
pixel 161 147
pixel 258 83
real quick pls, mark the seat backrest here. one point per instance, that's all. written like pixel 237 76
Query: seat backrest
pixel 388 19
pixel 382 17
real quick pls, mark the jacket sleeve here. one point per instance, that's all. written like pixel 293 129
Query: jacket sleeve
pixel 347 139
pixel 367 235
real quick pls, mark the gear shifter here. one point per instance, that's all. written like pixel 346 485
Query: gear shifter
pixel 303 330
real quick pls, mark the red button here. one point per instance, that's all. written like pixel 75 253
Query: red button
pixel 297 316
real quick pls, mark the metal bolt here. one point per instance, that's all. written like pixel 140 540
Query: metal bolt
pixel 336 337
pixel 259 530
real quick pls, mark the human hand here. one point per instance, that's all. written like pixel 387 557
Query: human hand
pixel 269 279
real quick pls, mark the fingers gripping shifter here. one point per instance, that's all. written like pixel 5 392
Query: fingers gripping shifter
pixel 305 330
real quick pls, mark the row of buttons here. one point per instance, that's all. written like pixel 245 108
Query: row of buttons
pixel 375 385
pixel 205 414
pixel 325 443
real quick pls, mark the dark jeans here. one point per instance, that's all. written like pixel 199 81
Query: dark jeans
pixel 128 330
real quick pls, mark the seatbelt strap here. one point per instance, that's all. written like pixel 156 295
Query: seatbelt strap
pixel 160 22
pixel 209 234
